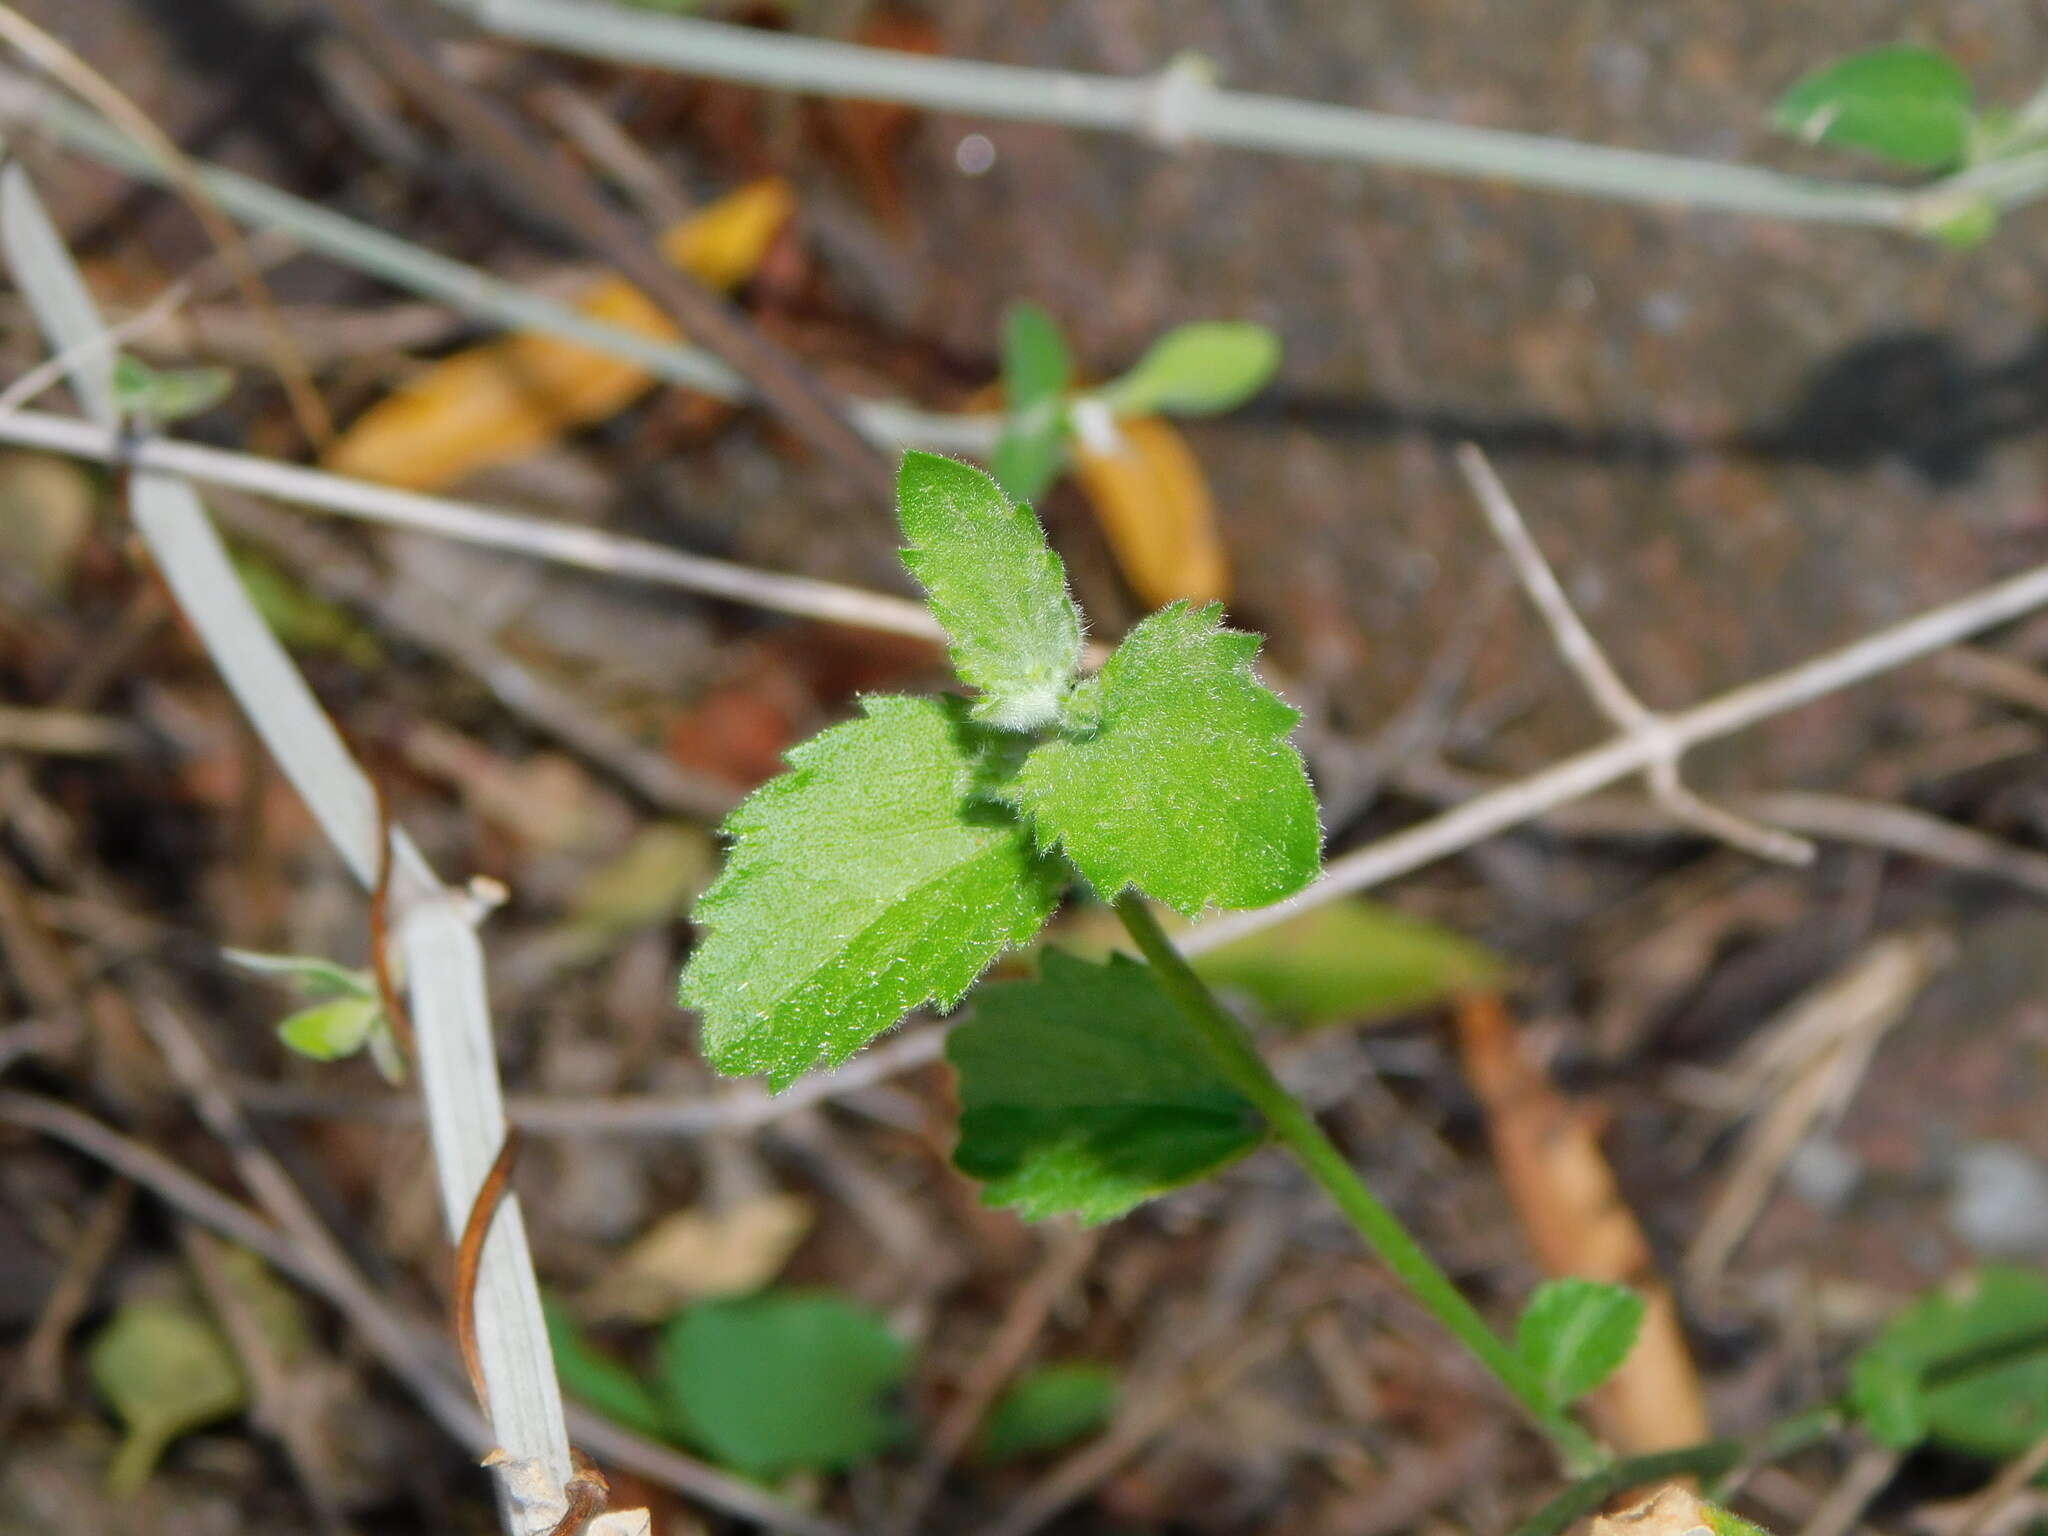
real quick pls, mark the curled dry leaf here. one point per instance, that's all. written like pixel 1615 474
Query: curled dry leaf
pixel 1152 499
pixel 1566 1198
pixel 496 402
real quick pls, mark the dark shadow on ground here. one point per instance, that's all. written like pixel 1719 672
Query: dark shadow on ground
pixel 1912 397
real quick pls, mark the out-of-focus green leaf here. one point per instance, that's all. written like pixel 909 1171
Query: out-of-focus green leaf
pixel 654 880
pixel 1967 1367
pixel 783 1382
pixel 1046 1408
pixel 1576 1333
pixel 303 619
pixel 1036 373
pixel 165 395
pixel 166 1370
pixel 1198 369
pixel 1350 961
pixel 313 975
pixel 593 1377
pixel 331 1031
pixel 1961 224
pixel 1902 103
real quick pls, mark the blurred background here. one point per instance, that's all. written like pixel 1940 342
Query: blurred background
pixel 1803 1096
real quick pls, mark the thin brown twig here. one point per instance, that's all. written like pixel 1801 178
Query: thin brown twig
pixel 283 1401
pixel 469 1258
pixel 738 1107
pixel 381 936
pixel 998 1359
pixel 2011 1480
pixel 81 79
pixel 311 1252
pixel 1134 1429
pixel 38 1368
pixel 310 1256
pixel 1867 1473
pixel 558 190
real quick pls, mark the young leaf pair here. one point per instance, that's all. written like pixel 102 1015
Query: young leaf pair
pixel 1193 370
pixel 906 849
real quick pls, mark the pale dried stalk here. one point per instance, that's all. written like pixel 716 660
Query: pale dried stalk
pixel 457 1064
pixel 590 549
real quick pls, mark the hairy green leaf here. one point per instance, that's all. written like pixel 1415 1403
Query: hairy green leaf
pixel 1198 369
pixel 1036 372
pixel 783 1382
pixel 1047 1408
pixel 1725 1522
pixel 1967 1366
pixel 1083 1092
pixel 996 587
pixel 1902 103
pixel 1575 1334
pixel 1350 961
pixel 595 1378
pixel 862 883
pixel 1178 777
pixel 166 1370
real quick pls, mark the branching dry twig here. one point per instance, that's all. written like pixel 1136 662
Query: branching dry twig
pixel 1611 696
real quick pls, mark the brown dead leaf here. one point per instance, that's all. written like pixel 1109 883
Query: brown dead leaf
pixel 1149 493
pixel 1566 1198
pixel 689 1255
pixel 1672 1510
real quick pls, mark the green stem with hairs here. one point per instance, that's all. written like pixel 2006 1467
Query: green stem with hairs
pixel 1224 1041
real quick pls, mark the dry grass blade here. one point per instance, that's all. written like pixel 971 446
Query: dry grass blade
pixel 1805 1067
pixel 589 549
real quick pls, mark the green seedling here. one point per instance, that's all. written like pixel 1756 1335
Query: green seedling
pixel 1193 370
pixel 342 1016
pixel 905 850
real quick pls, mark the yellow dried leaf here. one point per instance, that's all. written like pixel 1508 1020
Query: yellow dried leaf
pixel 498 401
pixel 1153 501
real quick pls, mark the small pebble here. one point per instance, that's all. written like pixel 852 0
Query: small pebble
pixel 1824 1173
pixel 1999 1206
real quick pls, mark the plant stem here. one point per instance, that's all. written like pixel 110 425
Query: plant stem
pixel 1225 1041
pixel 1712 1460
pixel 1176 106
